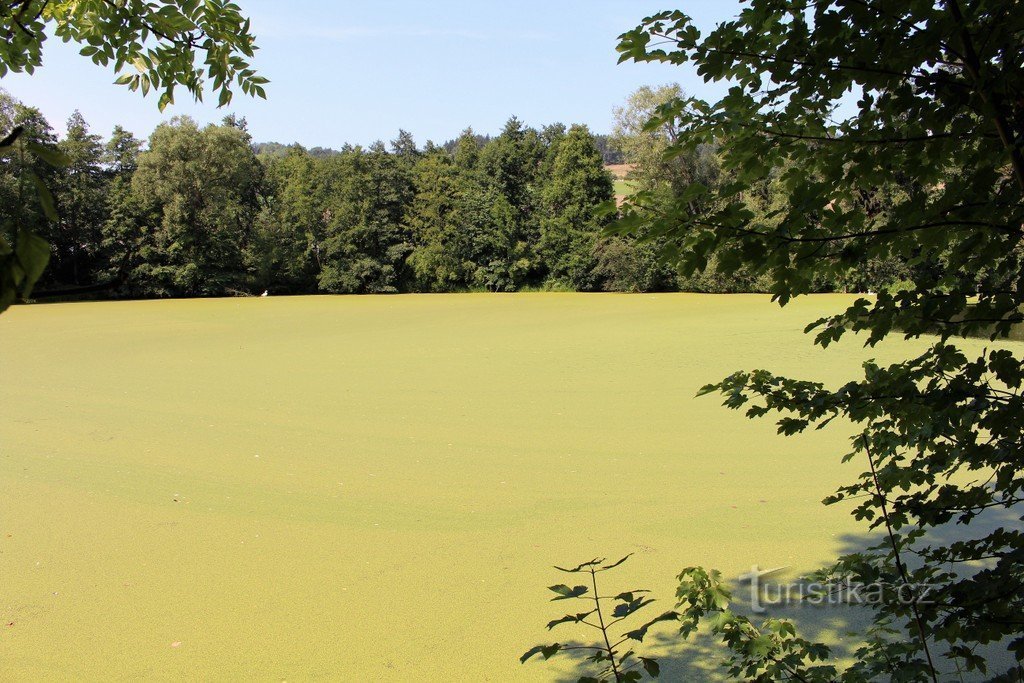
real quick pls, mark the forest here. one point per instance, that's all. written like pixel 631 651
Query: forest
pixel 205 211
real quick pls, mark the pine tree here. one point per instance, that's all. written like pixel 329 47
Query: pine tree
pixel 80 189
pixel 467 150
pixel 121 231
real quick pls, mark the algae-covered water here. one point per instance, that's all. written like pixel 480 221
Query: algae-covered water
pixel 375 488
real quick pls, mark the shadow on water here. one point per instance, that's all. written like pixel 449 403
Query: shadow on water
pixel 700 657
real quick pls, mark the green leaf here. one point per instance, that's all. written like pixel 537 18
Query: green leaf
pixel 630 596
pixel 566 593
pixel 625 609
pixel 570 619
pixel 547 651
pixel 639 633
pixel 651 666
pixel 707 389
pixel 760 646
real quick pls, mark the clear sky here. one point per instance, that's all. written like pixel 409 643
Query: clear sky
pixel 345 71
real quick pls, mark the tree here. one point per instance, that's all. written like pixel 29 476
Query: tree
pixel 645 146
pixel 466 150
pixel 938 116
pixel 627 264
pixel 285 255
pixel 404 147
pixel 511 163
pixel 28 154
pixel 198 189
pixel 366 240
pixel 122 152
pixel 577 186
pixel 609 152
pixel 122 229
pixel 661 171
pixel 158 47
pixel 463 229
pixel 80 189
pixel 19 205
pixel 551 137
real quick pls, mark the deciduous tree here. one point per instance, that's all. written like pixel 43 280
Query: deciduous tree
pixel 198 188
pixel 150 46
pixel 936 113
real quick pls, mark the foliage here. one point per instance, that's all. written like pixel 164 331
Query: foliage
pixel 291 224
pixel 197 189
pixel 661 171
pixel 511 163
pixel 576 187
pixel 609 153
pixel 614 661
pixel 366 240
pixel 121 226
pixel 152 46
pixel 626 264
pixel 28 158
pixel 935 133
pixel 645 146
pixel 527 210
pixel 771 651
pixel 462 229
pixel 80 189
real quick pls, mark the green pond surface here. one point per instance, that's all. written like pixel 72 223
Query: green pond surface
pixel 376 488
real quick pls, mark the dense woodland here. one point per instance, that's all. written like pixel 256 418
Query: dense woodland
pixel 205 211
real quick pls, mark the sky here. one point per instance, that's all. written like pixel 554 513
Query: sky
pixel 345 71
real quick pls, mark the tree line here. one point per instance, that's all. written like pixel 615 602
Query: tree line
pixel 205 211
pixel 606 145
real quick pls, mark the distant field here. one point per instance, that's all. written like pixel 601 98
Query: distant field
pixel 623 187
pixel 375 488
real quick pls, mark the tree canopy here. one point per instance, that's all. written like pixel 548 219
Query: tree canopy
pixel 895 131
pixel 150 46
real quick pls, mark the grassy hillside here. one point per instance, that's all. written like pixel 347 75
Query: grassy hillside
pixel 363 487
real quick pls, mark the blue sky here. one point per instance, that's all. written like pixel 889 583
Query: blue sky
pixel 356 72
